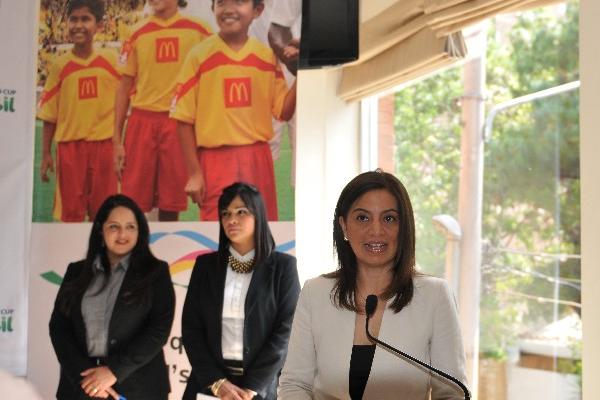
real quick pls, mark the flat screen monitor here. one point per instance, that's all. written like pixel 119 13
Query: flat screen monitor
pixel 329 34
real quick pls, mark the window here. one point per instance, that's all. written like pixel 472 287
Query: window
pixel 530 327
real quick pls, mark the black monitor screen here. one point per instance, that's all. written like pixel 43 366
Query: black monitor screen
pixel 329 32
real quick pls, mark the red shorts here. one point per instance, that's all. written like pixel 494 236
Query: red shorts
pixel 85 177
pixel 154 174
pixel 225 165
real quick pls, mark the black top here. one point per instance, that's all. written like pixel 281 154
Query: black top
pixel 268 314
pixel 137 334
pixel 360 367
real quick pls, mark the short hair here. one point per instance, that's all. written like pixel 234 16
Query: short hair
pixel 96 7
pixel 255 3
pixel 264 244
pixel 401 287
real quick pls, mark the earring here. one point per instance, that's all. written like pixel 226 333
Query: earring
pixel 345 238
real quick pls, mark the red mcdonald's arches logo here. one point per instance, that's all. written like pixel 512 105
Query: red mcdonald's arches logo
pixel 88 87
pixel 167 49
pixel 238 92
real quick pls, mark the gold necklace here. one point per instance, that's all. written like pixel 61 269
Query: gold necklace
pixel 241 267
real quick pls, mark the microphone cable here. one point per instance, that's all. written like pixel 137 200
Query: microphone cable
pixel 370 306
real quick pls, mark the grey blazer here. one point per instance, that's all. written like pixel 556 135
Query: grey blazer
pixel 320 346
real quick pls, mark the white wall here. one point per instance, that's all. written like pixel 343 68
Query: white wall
pixel 589 56
pixel 327 146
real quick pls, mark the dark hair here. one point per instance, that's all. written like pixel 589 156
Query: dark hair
pixel 264 244
pixel 182 3
pixel 96 7
pixel 141 260
pixel 255 3
pixel 401 287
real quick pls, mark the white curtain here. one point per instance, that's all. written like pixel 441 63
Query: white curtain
pixel 412 38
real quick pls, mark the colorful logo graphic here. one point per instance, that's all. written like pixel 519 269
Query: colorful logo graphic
pixel 167 50
pixel 238 92
pixel 183 263
pixel 6 320
pixel 88 87
pixel 8 100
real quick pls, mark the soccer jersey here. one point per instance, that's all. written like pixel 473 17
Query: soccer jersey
pixel 230 96
pixel 153 55
pixel 79 96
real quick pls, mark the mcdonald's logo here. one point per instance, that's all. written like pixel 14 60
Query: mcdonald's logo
pixel 88 87
pixel 167 50
pixel 238 92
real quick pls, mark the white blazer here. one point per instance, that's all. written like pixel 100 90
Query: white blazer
pixel 318 360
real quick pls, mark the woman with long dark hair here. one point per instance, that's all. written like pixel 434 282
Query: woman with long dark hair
pixel 239 306
pixel 113 312
pixel 330 355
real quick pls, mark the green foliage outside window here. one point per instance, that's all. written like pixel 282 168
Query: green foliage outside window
pixel 531 174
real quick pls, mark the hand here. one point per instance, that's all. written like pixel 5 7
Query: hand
pixel 118 158
pixel 295 42
pixel 47 165
pixel 250 394
pixel 292 50
pixel 229 391
pixel 97 380
pixel 195 188
pixel 108 392
pixel 290 53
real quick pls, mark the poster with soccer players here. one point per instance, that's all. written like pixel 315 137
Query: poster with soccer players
pixel 166 101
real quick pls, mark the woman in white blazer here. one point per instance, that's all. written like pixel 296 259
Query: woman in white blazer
pixel 329 353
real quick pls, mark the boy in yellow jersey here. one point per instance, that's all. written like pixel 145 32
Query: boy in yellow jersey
pixel 77 109
pixel 228 89
pixel 150 162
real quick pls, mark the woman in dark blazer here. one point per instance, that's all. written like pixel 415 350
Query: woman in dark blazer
pixel 113 312
pixel 240 304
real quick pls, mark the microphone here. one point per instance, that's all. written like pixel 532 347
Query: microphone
pixel 370 306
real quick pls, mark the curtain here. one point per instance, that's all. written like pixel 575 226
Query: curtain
pixel 412 38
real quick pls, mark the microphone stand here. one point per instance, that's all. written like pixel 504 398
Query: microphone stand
pixel 421 363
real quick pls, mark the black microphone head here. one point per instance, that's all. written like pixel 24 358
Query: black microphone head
pixel 371 305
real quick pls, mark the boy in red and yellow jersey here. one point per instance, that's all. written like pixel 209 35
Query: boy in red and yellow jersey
pixel 150 162
pixel 77 109
pixel 228 89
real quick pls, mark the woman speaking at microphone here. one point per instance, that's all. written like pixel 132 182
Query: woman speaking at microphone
pixel 113 312
pixel 330 355
pixel 239 306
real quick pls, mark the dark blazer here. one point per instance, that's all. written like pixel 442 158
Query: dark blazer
pixel 269 310
pixel 137 334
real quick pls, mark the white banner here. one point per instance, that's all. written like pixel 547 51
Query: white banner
pixel 18 32
pixel 177 243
